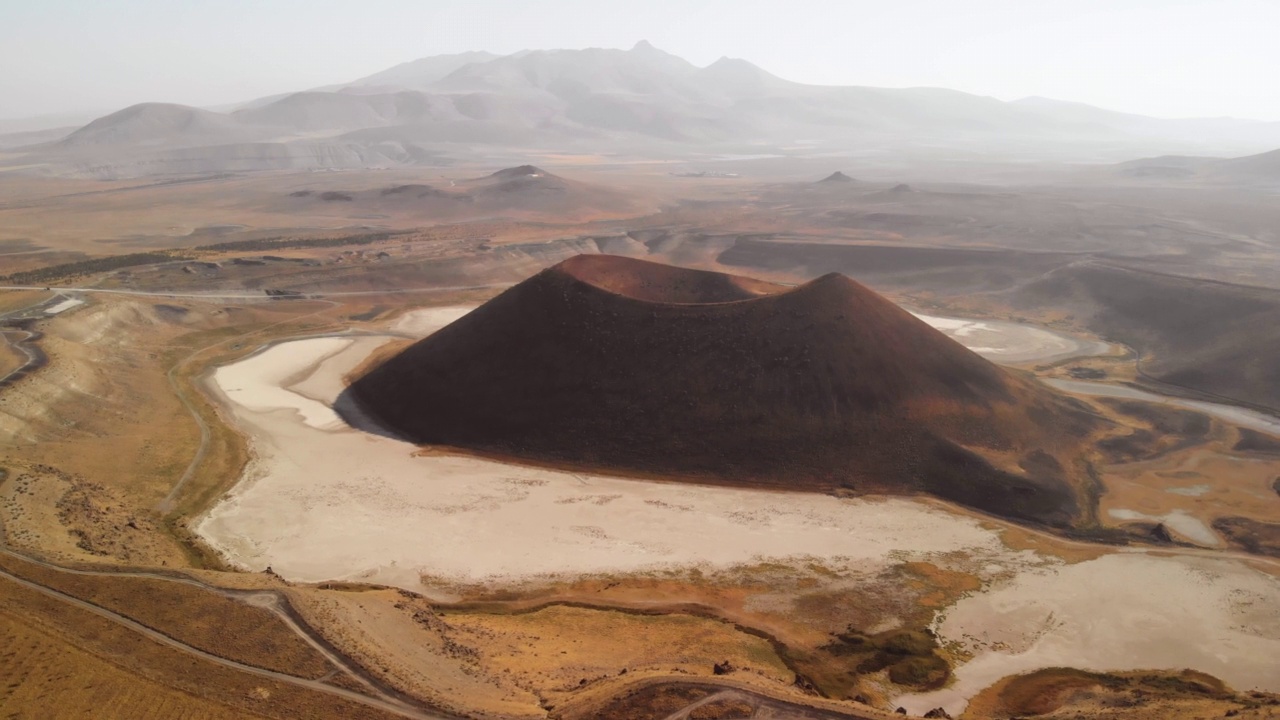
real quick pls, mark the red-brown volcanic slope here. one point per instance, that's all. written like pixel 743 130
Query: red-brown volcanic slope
pixel 622 364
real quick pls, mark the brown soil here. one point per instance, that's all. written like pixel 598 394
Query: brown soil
pixel 655 703
pixel 1071 693
pixel 1253 441
pixel 658 700
pixel 1208 482
pixel 1255 536
pixel 823 387
pixel 1165 429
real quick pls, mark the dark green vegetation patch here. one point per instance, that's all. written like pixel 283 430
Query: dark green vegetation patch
pixel 90 267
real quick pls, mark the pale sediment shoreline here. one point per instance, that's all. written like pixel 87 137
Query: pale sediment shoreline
pixel 1014 343
pixel 323 501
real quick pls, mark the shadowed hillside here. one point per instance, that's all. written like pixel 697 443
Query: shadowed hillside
pixel 623 364
pixel 1208 337
pixel 1260 169
pixel 513 191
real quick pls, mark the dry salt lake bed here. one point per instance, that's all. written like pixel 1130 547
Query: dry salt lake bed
pixel 324 501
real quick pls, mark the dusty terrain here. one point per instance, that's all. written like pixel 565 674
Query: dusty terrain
pixel 631 366
pixel 611 524
pixel 122 444
pixel 485 509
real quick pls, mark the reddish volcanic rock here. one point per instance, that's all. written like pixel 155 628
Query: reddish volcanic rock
pixel 632 366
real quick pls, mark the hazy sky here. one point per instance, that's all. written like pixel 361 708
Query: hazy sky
pixel 1159 57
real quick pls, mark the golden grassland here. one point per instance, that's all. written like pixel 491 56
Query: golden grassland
pixel 53 678
pixel 90 661
pixel 104 421
pixel 1060 693
pixel 800 611
pixel 523 662
pixel 195 616
pixel 558 650
pixel 398 638
pixel 11 300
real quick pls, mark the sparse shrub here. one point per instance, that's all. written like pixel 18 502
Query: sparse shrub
pixel 922 671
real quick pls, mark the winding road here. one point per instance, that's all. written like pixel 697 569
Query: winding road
pixel 380 697
pixel 380 702
pixel 272 600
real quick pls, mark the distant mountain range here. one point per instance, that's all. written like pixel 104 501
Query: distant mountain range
pixel 641 101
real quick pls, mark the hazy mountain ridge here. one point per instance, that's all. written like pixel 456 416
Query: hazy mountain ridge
pixel 619 100
pixel 1260 169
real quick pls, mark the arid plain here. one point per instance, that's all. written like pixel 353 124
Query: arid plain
pixel 177 464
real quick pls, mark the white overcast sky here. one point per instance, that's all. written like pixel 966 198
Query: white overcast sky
pixel 1171 58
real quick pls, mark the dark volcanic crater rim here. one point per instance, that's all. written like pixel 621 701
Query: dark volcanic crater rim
pixel 640 368
pixel 599 272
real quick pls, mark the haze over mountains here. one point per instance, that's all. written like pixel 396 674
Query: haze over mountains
pixel 641 101
pixel 526 191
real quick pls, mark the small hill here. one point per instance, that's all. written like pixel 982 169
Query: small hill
pixel 836 177
pixel 1166 167
pixel 1261 169
pixel 1264 166
pixel 1209 337
pixel 524 191
pixel 523 172
pixel 533 189
pixel 619 364
pixel 156 124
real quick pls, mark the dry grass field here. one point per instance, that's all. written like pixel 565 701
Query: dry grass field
pixel 204 619
pixel 74 659
pixel 96 441
pixel 558 650
pixel 522 663
pixel 40 669
pixel 1060 693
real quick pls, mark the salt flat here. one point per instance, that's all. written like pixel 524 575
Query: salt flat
pixel 1120 611
pixel 323 501
pixel 424 321
pixel 1013 343
pixel 261 383
pixel 63 306
pixel 1178 521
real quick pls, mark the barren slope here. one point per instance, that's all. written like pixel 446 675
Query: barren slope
pixel 609 362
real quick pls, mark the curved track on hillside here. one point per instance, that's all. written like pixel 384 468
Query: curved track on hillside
pixel 276 601
pixel 25 344
pixel 380 701
pixel 170 501
pixel 381 696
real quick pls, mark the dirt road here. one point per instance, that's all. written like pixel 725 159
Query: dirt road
pixel 381 702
